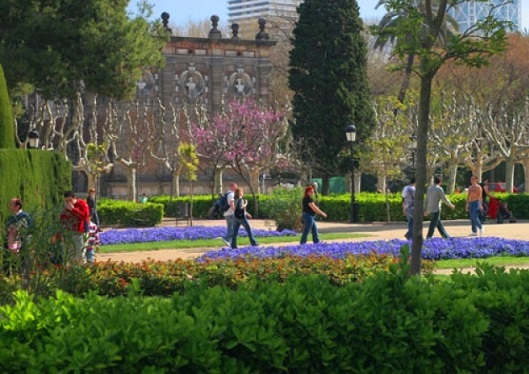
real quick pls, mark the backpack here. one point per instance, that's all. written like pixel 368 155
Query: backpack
pixel 239 212
pixel 222 203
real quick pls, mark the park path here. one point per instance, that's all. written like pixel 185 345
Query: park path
pixel 372 231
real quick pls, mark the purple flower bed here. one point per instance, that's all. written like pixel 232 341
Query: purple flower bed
pixel 433 249
pixel 174 233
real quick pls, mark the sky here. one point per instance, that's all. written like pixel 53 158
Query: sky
pixel 182 11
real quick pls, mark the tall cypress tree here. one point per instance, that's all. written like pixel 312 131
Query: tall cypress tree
pixel 7 125
pixel 328 75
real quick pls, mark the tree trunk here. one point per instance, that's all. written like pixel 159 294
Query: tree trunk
pixel 176 183
pixel 219 185
pixel 132 187
pixel 452 175
pixel 254 188
pixel 509 172
pixel 381 183
pixel 191 204
pixel 92 181
pixel 422 145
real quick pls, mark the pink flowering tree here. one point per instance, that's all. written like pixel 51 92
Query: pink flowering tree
pixel 244 137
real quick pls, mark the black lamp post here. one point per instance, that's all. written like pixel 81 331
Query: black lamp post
pixel 350 133
pixel 33 139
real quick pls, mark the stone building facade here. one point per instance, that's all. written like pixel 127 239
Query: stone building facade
pixel 199 71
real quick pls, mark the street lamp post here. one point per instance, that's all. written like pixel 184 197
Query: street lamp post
pixel 33 139
pixel 350 133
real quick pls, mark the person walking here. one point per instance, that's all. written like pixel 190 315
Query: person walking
pixel 92 243
pixel 92 205
pixel 75 219
pixel 18 236
pixel 434 196
pixel 474 206
pixel 228 214
pixel 310 210
pixel 241 218
pixel 408 203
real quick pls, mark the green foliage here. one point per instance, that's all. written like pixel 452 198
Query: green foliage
pixel 7 124
pixel 56 45
pixel 201 204
pixel 284 206
pixel 371 206
pixel 129 213
pixel 305 324
pixel 329 79
pixel 38 178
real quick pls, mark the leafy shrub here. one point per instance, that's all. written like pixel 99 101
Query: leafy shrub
pixel 388 323
pixel 284 206
pixel 129 214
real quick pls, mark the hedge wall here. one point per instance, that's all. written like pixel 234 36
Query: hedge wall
pixel 371 206
pixel 39 178
pixel 7 125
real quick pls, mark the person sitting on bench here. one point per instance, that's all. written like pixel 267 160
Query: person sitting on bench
pixel 504 213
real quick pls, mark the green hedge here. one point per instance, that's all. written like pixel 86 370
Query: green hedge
pixel 129 214
pixel 371 206
pixel 7 123
pixel 388 323
pixel 39 178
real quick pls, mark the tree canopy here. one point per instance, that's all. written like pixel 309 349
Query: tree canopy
pixel 328 75
pixel 421 34
pixel 64 46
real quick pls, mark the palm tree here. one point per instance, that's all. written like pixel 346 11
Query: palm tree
pixel 385 36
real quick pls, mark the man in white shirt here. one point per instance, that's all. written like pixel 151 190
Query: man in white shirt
pixel 228 215
pixel 408 203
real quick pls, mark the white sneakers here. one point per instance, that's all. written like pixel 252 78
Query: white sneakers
pixel 481 231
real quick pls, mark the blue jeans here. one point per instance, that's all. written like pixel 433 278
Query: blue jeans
pixel 230 221
pixel 309 225
pixel 473 209
pixel 436 222
pixel 244 222
pixel 409 216
pixel 90 256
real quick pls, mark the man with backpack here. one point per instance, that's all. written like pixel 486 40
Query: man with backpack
pixel 228 207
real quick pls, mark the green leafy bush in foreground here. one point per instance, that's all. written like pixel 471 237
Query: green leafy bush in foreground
pixel 389 323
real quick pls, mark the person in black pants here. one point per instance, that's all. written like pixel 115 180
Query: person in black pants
pixel 241 218
pixel 92 206
pixel 309 212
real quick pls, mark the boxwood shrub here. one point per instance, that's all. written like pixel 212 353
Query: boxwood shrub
pixel 389 323
pixel 129 214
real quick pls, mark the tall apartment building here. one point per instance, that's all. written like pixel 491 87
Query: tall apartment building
pixel 247 12
pixel 239 10
pixel 467 13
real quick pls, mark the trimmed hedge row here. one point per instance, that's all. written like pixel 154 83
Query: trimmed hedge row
pixel 386 324
pixel 129 214
pixel 39 178
pixel 371 206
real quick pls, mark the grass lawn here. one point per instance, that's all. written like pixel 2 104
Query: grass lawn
pixel 472 262
pixel 212 243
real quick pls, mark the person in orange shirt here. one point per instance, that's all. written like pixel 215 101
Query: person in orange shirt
pixel 474 205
